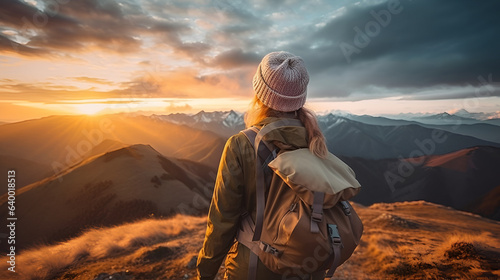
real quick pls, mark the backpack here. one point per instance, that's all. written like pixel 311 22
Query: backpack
pixel 306 224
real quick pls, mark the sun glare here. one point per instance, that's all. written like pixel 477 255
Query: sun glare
pixel 90 108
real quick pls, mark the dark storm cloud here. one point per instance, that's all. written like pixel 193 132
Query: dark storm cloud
pixel 236 58
pixel 18 14
pixel 426 43
pixel 78 26
pixel 9 45
pixel 459 94
pixel 239 25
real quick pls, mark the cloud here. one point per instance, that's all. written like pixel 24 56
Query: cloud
pixel 236 58
pixel 84 26
pixel 185 83
pixel 45 91
pixel 425 44
pixel 10 46
pixel 178 83
pixel 23 16
pixel 93 80
pixel 456 93
pixel 366 49
pixel 173 107
pixel 236 11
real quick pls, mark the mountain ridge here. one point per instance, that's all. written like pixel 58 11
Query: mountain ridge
pixel 459 179
pixel 110 188
pixel 62 141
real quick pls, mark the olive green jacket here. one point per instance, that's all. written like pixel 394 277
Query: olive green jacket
pixel 234 194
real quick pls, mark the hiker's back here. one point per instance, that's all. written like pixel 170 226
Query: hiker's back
pixel 305 225
pixel 237 259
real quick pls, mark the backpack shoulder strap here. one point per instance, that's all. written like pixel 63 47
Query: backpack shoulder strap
pixel 265 150
pixel 251 133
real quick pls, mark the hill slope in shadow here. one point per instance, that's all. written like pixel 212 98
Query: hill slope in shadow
pixel 27 171
pixel 463 179
pixel 109 189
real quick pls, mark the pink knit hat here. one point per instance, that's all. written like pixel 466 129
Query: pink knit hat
pixel 281 81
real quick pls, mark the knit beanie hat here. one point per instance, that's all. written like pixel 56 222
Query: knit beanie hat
pixel 281 81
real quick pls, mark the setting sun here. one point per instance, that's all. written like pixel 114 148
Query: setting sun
pixel 90 108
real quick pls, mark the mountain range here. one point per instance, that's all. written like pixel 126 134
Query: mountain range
pixel 222 123
pixel 351 138
pixel 462 116
pixel 79 172
pixel 366 136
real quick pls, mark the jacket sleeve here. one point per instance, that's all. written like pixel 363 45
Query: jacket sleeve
pixel 224 213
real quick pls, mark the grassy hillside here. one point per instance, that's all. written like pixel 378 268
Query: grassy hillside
pixel 412 240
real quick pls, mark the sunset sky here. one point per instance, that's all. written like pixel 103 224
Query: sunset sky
pixel 366 57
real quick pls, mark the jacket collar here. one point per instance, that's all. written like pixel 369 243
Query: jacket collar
pixel 291 135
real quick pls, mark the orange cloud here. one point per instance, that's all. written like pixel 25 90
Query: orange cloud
pixel 188 83
pixel 93 80
pixel 44 92
pixel 178 108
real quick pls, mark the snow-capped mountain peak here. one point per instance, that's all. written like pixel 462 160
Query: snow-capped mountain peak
pixel 232 119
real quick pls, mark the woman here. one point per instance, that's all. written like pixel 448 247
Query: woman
pixel 280 86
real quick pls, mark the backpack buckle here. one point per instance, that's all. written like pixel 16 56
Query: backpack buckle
pixel 317 217
pixel 269 249
pixel 346 208
pixel 335 236
pixel 336 241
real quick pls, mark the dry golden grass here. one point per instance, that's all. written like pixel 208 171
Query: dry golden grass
pixel 46 262
pixel 415 240
pixel 420 240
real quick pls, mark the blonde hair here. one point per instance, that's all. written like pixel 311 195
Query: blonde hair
pixel 315 138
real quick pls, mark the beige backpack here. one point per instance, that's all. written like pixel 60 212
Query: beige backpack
pixel 306 224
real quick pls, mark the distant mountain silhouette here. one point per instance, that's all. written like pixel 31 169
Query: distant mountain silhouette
pixel 222 123
pixel 446 118
pixel 466 180
pixel 108 189
pixel 461 115
pixel 493 122
pixel 346 137
pixel 485 130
